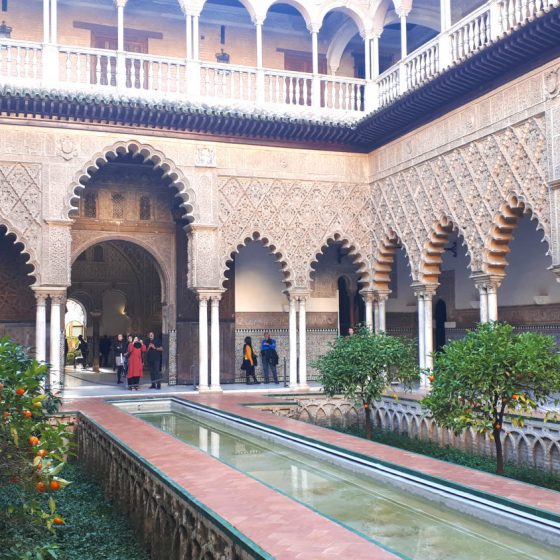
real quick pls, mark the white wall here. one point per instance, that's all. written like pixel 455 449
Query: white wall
pixel 258 281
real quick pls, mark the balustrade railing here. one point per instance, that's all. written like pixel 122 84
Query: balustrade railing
pixel 103 69
pixel 21 61
pixel 227 81
pixel 345 94
pixel 94 68
pixel 470 35
pixel 287 88
pixel 389 86
pixel 423 64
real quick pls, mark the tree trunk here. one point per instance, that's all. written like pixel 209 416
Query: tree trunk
pixel 499 451
pixel 367 410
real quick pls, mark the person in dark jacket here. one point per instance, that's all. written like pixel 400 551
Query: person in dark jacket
pixel 121 348
pixel 154 351
pixel 269 358
pixel 83 347
pixel 249 360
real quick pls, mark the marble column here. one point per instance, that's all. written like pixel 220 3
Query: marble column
pixel 196 37
pixel 292 325
pixel 421 330
pixel 368 301
pixel 55 341
pixel 46 21
pixel 376 315
pixel 492 294
pixel 94 357
pixel 202 342
pixel 302 341
pixel 488 285
pixel 381 300
pixel 428 325
pixel 41 327
pixel 215 342
pixel 404 47
pixel 54 22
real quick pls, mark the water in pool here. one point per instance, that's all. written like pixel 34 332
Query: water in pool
pixel 412 526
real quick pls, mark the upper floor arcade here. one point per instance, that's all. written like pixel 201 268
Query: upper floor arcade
pixel 308 57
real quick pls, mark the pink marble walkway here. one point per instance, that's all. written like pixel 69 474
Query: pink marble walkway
pixel 520 492
pixel 280 526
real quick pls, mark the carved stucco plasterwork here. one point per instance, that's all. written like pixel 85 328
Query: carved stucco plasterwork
pixel 57 245
pixel 20 206
pixel 297 218
pixel 469 186
pixel 203 265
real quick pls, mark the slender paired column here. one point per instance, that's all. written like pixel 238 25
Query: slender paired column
pixel 260 71
pixel 196 37
pixel 46 21
pixel 96 319
pixel 292 325
pixel 215 342
pixel 421 330
pixel 55 341
pixel 121 60
pixel 428 323
pixel 425 294
pixel 192 38
pixel 488 285
pixel 404 47
pixel 41 327
pixel 381 300
pixel 368 300
pixel 189 34
pixel 202 342
pixel 302 341
pixel 375 55
pixel 376 315
pixel 54 22
pixel 315 84
pixel 50 38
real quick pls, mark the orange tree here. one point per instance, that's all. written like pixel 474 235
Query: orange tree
pixel 33 449
pixel 361 366
pixel 489 373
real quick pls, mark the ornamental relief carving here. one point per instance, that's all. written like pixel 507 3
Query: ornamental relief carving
pixel 297 217
pixel 469 186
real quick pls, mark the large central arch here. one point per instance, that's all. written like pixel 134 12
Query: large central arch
pixel 145 153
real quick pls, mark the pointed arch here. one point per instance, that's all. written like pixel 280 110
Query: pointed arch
pixel 497 242
pixel 434 248
pixel 145 153
pixel 278 254
pixel 24 248
pixel 354 251
pixel 385 259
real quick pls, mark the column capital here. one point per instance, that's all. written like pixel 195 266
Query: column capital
pixel 381 295
pixel 258 19
pixel 422 290
pixel 487 281
pixel 556 271
pixel 298 295
pixel 403 11
pixel 41 293
pixel 554 185
pixel 368 295
pixel 209 294
pixel 120 3
pixel 370 34
pixel 313 27
pixel 188 9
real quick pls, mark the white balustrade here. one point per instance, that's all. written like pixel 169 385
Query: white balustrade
pixel 96 68
pixel 388 86
pixel 154 76
pixel 228 81
pixel 20 61
pixel 422 64
pixel 155 73
pixel 516 12
pixel 342 93
pixel 470 34
pixel 287 88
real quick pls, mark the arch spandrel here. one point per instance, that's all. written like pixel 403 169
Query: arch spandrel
pixel 171 171
pixel 27 250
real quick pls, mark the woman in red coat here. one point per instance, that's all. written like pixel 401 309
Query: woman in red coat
pixel 135 366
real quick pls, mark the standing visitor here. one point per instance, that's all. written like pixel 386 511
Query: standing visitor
pixel 153 357
pixel 269 357
pixel 83 347
pixel 135 366
pixel 121 349
pixel 249 360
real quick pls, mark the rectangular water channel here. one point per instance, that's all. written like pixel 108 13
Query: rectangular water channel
pixel 409 525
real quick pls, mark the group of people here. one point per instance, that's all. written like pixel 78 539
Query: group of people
pixel 130 355
pixel 269 358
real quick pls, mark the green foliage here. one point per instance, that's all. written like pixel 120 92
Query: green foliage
pixel 92 529
pixel 490 371
pixel 361 366
pixel 33 449
pixel 451 454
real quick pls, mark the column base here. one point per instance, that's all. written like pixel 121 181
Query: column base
pixel 217 389
pixel 204 389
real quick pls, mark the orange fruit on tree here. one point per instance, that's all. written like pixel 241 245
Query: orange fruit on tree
pixel 42 453
pixel 5 414
pixel 20 391
pixel 515 397
pixel 33 440
pixel 54 485
pixel 40 487
pixel 431 378
pixel 58 521
pixel 27 413
pixel 1 386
